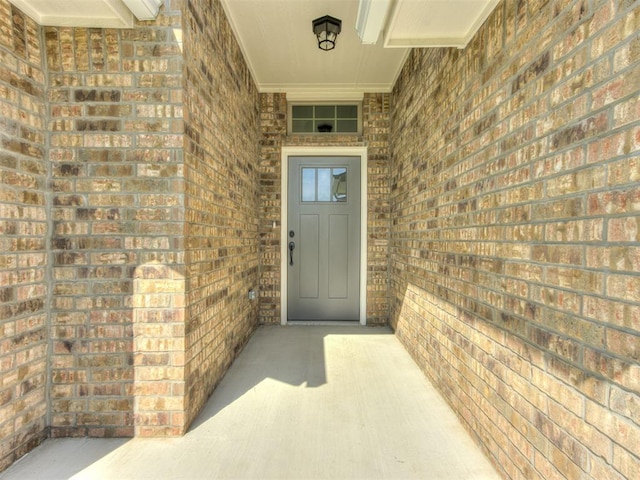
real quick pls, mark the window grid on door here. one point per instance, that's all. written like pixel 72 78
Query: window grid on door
pixel 324 184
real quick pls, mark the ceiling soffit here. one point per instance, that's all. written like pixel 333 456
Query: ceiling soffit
pixel 77 13
pixel 280 47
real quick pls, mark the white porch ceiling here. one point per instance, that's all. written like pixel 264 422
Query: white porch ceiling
pixel 278 43
pixel 89 13
pixel 436 23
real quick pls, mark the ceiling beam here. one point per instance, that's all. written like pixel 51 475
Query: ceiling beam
pixel 372 15
pixel 144 9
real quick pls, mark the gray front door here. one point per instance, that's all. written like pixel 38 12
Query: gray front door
pixel 323 236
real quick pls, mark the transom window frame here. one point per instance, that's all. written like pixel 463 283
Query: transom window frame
pixel 291 104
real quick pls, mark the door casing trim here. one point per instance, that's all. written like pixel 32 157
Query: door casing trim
pixel 319 151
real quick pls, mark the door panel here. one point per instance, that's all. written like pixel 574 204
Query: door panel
pixel 324 230
pixel 338 256
pixel 309 247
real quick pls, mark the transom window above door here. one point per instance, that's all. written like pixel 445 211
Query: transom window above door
pixel 324 118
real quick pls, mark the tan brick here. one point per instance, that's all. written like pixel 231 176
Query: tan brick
pixel 625 462
pixel 625 403
pixel 593 440
pixel 625 344
pixel 621 314
pixel 621 432
pixel 601 469
pixel 624 229
pixel 623 287
pixel 559 391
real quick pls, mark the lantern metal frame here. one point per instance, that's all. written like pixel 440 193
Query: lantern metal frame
pixel 326 30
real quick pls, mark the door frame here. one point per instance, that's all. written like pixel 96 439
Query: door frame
pixel 320 151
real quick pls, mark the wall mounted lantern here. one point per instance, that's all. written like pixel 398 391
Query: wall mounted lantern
pixel 326 29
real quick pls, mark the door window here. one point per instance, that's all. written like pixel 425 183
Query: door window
pixel 324 184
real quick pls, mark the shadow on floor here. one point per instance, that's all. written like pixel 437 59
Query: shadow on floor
pixel 62 458
pixel 296 358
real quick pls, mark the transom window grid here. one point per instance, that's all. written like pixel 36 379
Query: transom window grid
pixel 307 118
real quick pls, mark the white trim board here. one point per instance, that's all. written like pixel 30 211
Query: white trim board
pixel 319 151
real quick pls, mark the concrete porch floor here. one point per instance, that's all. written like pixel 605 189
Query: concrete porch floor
pixel 300 402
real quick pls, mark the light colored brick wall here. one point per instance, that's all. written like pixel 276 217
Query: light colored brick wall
pixel 116 143
pixel 375 136
pixel 23 236
pixel 273 130
pixel 140 332
pixel 222 200
pixel 376 129
pixel 514 243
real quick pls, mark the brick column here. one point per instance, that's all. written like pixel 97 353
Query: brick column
pixel 117 193
pixel 159 351
pixel 24 230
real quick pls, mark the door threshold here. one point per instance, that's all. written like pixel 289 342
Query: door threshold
pixel 325 323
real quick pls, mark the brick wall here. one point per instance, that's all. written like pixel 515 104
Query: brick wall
pixel 376 126
pixel 375 136
pixel 514 238
pixel 222 200
pixel 141 332
pixel 273 130
pixel 115 100
pixel 23 236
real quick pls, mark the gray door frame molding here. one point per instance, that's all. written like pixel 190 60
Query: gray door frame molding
pixel 319 151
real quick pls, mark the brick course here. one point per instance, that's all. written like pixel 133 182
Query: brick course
pixel 24 231
pixel 513 242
